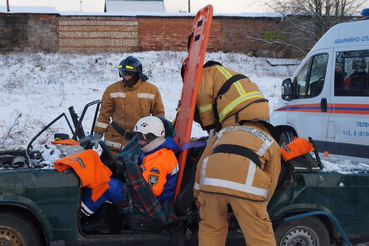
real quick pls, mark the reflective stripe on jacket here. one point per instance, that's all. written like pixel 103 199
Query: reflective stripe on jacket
pixel 240 94
pixel 125 106
pixel 237 175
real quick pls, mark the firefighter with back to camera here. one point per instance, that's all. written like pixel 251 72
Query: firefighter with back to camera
pixel 240 165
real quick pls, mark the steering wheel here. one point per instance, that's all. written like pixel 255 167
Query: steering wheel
pixel 111 157
pixel 321 83
pixel 316 153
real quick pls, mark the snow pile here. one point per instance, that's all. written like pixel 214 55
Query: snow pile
pixel 343 166
pixel 53 152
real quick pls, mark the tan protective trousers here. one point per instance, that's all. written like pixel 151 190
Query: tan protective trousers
pixel 252 217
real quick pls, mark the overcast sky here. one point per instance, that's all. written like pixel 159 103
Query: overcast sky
pixel 220 6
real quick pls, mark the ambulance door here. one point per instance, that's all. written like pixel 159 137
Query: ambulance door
pixel 351 103
pixel 308 112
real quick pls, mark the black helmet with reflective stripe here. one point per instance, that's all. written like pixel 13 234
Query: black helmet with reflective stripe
pixel 131 66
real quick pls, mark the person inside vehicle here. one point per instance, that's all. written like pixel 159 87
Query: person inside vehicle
pixel 124 103
pixel 241 163
pixel 358 80
pixel 339 77
pixel 158 163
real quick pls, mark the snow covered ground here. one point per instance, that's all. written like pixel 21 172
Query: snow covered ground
pixel 37 87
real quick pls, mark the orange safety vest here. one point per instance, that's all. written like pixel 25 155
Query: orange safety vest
pixel 157 166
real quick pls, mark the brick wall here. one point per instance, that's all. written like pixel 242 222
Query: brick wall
pixel 28 32
pixel 98 34
pixel 164 33
pixel 245 34
pixel 118 34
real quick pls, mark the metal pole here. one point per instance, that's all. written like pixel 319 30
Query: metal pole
pixel 7 5
pixel 189 6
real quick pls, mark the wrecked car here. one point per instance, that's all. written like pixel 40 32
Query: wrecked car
pixel 41 206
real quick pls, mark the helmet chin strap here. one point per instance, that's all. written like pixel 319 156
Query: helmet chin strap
pixel 131 82
pixel 128 83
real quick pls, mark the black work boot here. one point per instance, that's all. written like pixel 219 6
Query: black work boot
pixel 104 221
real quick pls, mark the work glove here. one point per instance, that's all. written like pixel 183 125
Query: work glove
pixel 96 139
pixel 211 134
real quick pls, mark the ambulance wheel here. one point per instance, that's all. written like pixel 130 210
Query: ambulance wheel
pixel 286 137
pixel 308 231
pixel 16 229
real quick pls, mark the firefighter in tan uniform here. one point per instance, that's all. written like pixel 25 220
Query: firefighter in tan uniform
pixel 124 103
pixel 240 165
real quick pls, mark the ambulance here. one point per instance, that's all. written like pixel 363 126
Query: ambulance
pixel 327 97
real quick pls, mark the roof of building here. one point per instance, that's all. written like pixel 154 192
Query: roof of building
pixel 29 10
pixel 134 5
pixel 52 10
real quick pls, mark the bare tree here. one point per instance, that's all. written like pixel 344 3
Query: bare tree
pixel 304 22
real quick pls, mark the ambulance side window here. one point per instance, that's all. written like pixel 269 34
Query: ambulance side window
pixel 310 80
pixel 300 81
pixel 317 75
pixel 351 73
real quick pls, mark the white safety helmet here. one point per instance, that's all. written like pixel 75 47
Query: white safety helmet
pixel 150 129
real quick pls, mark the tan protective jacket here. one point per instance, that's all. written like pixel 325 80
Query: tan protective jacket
pixel 236 175
pixel 125 106
pixel 230 172
pixel 240 96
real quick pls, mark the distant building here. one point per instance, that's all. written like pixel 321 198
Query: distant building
pixel 134 6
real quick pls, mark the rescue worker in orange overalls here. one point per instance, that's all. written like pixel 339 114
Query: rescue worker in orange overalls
pixel 240 165
pixel 124 103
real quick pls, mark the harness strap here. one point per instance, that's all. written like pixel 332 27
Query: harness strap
pixel 193 144
pixel 229 82
pixel 272 129
pixel 236 113
pixel 225 87
pixel 238 150
pixel 125 133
